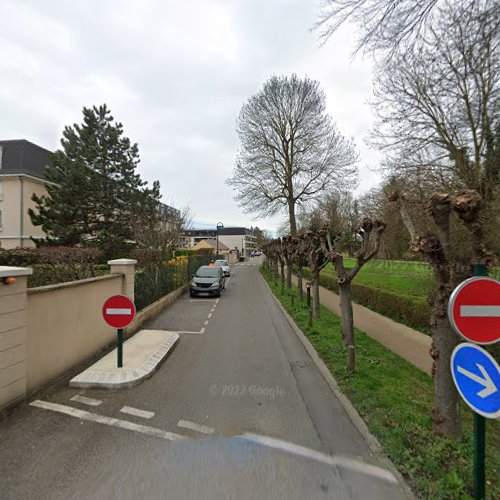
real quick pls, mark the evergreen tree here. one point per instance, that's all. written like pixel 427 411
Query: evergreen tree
pixel 95 196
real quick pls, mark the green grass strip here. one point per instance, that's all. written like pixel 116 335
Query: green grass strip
pixel 394 398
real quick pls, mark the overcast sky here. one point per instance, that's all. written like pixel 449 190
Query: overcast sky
pixel 176 74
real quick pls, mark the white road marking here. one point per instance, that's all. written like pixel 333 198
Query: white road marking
pixel 347 463
pixel 113 422
pixel 480 311
pixel 130 410
pixel 112 311
pixel 195 333
pixel 206 322
pixel 217 301
pixel 186 424
pixel 209 315
pixel 86 401
pixel 202 301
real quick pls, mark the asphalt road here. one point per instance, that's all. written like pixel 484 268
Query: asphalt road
pixel 239 368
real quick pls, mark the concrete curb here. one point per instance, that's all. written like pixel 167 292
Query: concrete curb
pixel 120 378
pixel 353 415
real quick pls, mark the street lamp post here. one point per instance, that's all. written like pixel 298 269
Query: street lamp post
pixel 219 227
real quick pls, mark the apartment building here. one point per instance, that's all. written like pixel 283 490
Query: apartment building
pixel 22 173
pixel 241 239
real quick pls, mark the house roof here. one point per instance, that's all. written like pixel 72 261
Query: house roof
pixel 210 243
pixel 23 157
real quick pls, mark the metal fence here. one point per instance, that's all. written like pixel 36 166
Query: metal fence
pixel 154 281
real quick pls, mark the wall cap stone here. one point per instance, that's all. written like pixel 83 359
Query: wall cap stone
pixel 122 262
pixel 7 271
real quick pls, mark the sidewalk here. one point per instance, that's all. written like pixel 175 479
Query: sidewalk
pixel 410 344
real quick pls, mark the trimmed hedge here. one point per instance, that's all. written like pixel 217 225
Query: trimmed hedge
pixel 411 311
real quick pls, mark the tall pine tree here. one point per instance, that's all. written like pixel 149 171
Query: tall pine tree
pixel 94 196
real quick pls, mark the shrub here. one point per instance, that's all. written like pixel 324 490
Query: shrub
pixel 412 311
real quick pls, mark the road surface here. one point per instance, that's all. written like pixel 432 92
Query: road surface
pixel 239 368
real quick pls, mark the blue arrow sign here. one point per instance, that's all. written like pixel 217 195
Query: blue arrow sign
pixel 477 377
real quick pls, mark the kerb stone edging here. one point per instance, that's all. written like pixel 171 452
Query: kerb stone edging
pixel 352 413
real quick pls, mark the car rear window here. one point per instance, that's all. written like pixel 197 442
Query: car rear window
pixel 207 272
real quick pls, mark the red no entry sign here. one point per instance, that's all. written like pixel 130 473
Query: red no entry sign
pixel 118 311
pixel 474 310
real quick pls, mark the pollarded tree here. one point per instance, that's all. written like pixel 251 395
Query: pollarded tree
pixel 371 234
pixel 291 151
pixel 451 264
pixel 316 260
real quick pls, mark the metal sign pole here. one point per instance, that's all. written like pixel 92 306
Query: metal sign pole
pixel 479 466
pixel 119 349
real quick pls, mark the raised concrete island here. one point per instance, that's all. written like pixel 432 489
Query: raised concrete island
pixel 142 355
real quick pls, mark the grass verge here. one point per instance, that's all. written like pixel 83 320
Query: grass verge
pixel 394 398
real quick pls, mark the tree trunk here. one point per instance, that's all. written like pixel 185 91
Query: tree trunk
pixel 299 280
pixel 347 322
pixel 315 287
pixel 293 221
pixel 289 277
pixel 445 412
pixel 282 278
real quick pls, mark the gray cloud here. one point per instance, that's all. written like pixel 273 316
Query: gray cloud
pixel 175 73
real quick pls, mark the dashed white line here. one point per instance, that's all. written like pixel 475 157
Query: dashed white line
pixel 186 424
pixel 206 322
pixel 209 315
pixel 137 413
pixel 113 422
pixel 217 301
pixel 86 401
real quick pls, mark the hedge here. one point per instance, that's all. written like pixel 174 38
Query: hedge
pixel 411 311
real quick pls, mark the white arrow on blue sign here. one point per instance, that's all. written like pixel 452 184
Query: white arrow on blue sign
pixel 477 377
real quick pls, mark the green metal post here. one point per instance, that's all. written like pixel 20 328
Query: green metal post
pixel 479 452
pixel 479 467
pixel 120 347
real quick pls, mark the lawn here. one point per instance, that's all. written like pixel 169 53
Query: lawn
pixel 397 410
pixel 411 278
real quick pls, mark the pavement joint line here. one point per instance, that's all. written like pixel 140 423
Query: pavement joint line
pixel 186 424
pixel 110 421
pixel 86 401
pixel 130 410
pixel 372 442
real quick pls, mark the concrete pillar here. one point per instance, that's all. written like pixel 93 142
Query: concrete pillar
pixel 13 335
pixel 127 268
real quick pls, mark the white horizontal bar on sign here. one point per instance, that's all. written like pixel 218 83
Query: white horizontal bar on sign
pixel 480 311
pixel 112 312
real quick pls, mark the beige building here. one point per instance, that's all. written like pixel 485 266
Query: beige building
pixel 211 244
pixel 22 173
pixel 22 167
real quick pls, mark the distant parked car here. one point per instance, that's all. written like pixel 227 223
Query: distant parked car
pixel 225 266
pixel 208 280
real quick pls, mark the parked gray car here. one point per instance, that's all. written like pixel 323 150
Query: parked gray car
pixel 208 281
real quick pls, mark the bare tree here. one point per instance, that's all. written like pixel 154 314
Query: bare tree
pixel 385 25
pixel 162 234
pixel 290 149
pixel 450 268
pixel 439 103
pixel 316 260
pixel 371 233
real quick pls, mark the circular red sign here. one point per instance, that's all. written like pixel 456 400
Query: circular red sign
pixel 118 311
pixel 474 310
